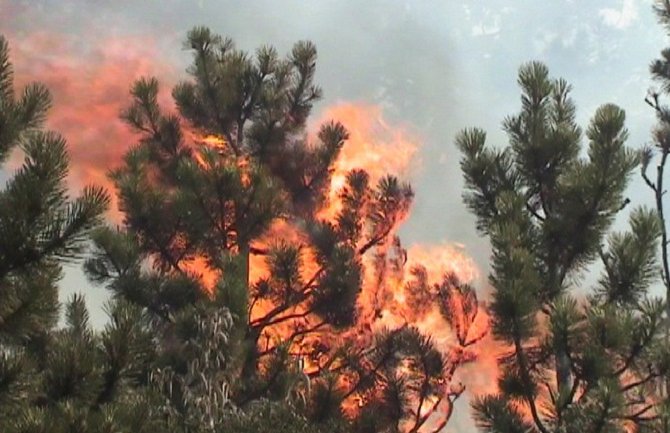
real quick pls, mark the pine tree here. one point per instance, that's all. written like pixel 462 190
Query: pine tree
pixel 660 146
pixel 659 151
pixel 209 189
pixel 40 229
pixel 573 362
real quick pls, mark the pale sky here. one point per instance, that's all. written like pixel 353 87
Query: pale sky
pixel 433 67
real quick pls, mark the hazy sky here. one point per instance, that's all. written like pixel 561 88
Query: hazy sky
pixel 433 67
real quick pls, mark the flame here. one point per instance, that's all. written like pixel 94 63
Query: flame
pixel 373 145
pixel 214 141
pixel 443 259
pixel 389 297
pixel 90 90
pixel 199 267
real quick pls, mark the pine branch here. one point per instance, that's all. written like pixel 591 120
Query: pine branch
pixel 211 94
pixel 262 322
pixel 289 317
pixel 525 376
pixel 651 376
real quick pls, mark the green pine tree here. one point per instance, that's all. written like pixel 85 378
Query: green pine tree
pixel 659 150
pixel 576 359
pixel 40 229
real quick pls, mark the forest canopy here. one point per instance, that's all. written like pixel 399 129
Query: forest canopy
pixel 257 279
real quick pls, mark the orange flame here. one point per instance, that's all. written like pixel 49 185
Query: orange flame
pixel 88 96
pixel 373 145
pixel 389 300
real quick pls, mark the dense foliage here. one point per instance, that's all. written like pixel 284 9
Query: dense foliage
pixel 249 296
pixel 577 359
pixel 235 293
pixel 40 228
pixel 194 341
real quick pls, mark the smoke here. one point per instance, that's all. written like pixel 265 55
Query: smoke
pixel 89 91
pixel 89 57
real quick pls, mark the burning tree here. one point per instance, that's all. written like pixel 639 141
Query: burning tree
pixel 574 362
pixel 236 232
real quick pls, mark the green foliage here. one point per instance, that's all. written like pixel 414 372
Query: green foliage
pixel 631 261
pixel 574 364
pixel 40 227
pixel 233 179
pixel 493 414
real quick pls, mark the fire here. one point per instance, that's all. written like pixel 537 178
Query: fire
pixel 100 90
pixel 373 145
pixel 88 95
pixel 442 259
pixel 199 267
pixel 214 141
pixel 390 297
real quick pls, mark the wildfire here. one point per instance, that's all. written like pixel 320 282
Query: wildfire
pixel 373 145
pixel 214 141
pixel 391 296
pixel 199 267
pixel 390 300
pixel 397 297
